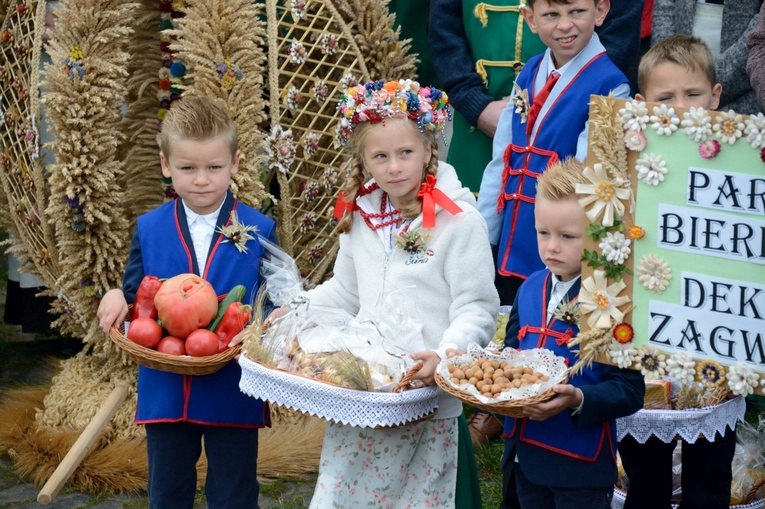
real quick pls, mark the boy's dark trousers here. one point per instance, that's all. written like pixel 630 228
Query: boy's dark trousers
pixel 173 451
pixel 706 472
pixel 509 490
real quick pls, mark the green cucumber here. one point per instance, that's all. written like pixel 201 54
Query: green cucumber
pixel 236 294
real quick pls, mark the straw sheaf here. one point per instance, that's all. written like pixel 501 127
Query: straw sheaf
pixel 24 188
pixel 210 33
pixel 85 120
pixel 142 180
pixel 606 130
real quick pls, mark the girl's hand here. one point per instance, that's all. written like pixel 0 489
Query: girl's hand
pixel 429 360
pixel 112 309
pixel 275 315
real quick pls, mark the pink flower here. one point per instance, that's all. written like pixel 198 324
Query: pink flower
pixel 424 92
pixel 762 155
pixel 634 140
pixel 709 149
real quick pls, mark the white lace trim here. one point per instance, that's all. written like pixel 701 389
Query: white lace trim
pixel 620 497
pixel 686 424
pixel 348 406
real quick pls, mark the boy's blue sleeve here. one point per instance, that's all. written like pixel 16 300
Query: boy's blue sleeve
pixel 620 393
pixel 134 270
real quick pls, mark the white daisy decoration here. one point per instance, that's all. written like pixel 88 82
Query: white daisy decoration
pixel 653 273
pixel 634 115
pixel 697 124
pixel 298 9
pixel 615 247
pixel 651 169
pixel 601 300
pixel 664 119
pixel 755 130
pixel 651 362
pixel 682 368
pixel 622 355
pixel 742 379
pixel 280 149
pixel 603 195
pixel 298 52
pixel 729 127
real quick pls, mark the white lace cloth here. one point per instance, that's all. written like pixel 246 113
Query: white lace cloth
pixel 348 406
pixel 687 424
pixel 620 497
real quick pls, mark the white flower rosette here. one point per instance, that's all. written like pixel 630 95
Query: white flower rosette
pixel 539 359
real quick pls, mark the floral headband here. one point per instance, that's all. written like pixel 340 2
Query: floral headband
pixel 375 101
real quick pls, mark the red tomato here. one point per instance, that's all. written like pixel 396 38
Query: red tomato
pixel 202 342
pixel 172 345
pixel 185 303
pixel 145 331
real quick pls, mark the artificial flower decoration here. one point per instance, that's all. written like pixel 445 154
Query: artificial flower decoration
pixel 73 65
pixel 375 101
pixel 411 242
pixel 315 253
pixel 280 149
pixel 664 119
pixel 635 140
pixel 329 179
pixel 228 74
pixel 330 43
pixel 237 233
pixel 293 98
pixel 635 232
pixel 298 53
pixel 729 127
pixel 654 273
pixel 348 81
pixel 603 195
pixel 651 362
pixel 682 368
pixel 298 9
pixel 310 144
pixel 710 373
pixel 311 191
pixel 624 333
pixel 320 91
pixel 755 130
pixel 762 155
pixel 634 115
pixel 307 222
pixel 615 247
pixel 709 149
pixel 651 169
pixel 742 379
pixel 602 300
pixel 568 312
pixel 697 124
pixel 520 100
pixel 622 355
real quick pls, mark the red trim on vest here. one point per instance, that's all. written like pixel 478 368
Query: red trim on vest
pixel 542 445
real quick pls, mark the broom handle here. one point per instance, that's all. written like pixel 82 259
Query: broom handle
pixel 83 444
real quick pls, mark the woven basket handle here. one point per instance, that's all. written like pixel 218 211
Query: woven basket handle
pixel 405 382
pixel 749 498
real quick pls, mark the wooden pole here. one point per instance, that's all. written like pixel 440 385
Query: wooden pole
pixel 83 444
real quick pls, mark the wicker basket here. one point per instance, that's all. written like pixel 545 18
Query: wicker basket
pixel 180 364
pixel 510 408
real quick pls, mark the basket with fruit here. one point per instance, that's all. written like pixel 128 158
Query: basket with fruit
pixel 502 382
pixel 194 327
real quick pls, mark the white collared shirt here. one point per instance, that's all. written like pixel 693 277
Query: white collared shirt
pixel 201 229
pixel 558 292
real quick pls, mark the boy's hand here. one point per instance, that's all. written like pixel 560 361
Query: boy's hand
pixel 430 360
pixel 112 310
pixel 274 315
pixel 489 117
pixel 568 397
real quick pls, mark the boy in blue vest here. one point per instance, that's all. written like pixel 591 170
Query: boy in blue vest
pixel 564 450
pixel 198 151
pixel 545 121
pixel 679 72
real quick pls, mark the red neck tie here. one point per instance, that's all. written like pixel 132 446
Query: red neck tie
pixel 539 101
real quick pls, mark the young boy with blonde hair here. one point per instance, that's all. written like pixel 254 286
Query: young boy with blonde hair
pixel 679 72
pixel 198 151
pixel 564 449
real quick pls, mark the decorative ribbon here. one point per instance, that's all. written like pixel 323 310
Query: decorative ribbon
pixel 342 206
pixel 432 197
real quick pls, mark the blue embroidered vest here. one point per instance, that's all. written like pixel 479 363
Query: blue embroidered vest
pixel 166 250
pixel 558 433
pixel 556 138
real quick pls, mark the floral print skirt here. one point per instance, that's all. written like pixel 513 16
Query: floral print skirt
pixel 407 467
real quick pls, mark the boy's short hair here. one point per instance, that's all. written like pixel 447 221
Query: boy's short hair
pixel 559 181
pixel 683 50
pixel 196 118
pixel 530 3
